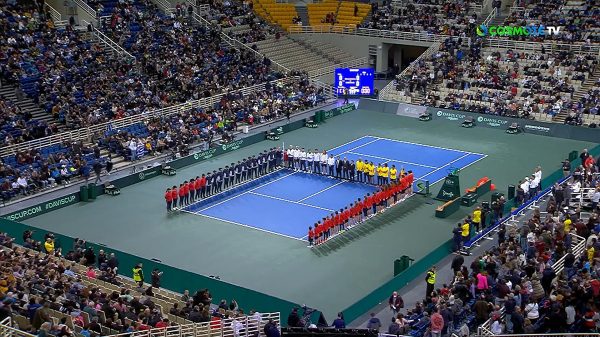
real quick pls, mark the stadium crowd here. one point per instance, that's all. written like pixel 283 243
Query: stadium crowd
pixel 517 286
pixel 48 294
pixel 497 82
pixel 429 16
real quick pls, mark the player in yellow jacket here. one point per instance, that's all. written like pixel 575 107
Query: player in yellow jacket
pixel 477 219
pixel 385 172
pixel 393 174
pixel 371 172
pixel 359 170
pixel 379 180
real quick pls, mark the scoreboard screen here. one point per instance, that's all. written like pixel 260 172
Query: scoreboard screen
pixel 358 81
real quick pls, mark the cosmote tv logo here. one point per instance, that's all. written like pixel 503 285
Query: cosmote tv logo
pixel 532 31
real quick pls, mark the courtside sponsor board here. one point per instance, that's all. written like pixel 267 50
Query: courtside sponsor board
pixel 42 208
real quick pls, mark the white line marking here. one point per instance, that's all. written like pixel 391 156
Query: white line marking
pixel 346 143
pixel 239 195
pixel 395 160
pixel 323 190
pixel 291 201
pixel 354 148
pixel 243 225
pixel 432 146
pixel 464 167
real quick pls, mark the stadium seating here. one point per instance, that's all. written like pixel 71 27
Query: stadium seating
pixel 496 81
pixel 446 18
pixel 280 14
pixel 578 19
pixel 97 300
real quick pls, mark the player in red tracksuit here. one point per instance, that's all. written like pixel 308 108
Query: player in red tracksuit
pixel 191 190
pixel 168 199
pixel 181 195
pixel 197 187
pixel 174 196
pixel 311 235
pixel 203 186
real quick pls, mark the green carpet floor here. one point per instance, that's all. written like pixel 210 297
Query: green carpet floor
pixel 136 221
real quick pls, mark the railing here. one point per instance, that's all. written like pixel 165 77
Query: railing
pixel 576 47
pixel 85 133
pixel 238 44
pixel 56 16
pixel 553 335
pixel 390 34
pixel 165 6
pixel 6 329
pixel 246 326
pixel 108 42
pixel 86 8
pixel 330 69
pixel 390 92
pixel 327 89
pixel 490 16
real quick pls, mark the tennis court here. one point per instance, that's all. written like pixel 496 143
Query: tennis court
pixel 286 202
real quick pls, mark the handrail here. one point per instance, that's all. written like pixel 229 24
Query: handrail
pixel 390 89
pixel 165 6
pixel 111 44
pixel 86 8
pixel 490 16
pixel 331 68
pixel 85 133
pixel 54 14
pixel 411 36
pixel 240 45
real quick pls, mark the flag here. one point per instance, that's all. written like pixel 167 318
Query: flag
pixel 109 129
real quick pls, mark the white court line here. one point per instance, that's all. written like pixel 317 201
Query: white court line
pixel 455 160
pixel 346 143
pixel 239 195
pixel 395 160
pixel 356 147
pixel 290 201
pixel 323 190
pixel 432 146
pixel 246 226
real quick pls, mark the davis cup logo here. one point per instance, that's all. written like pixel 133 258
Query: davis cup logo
pixel 224 147
pixel 480 119
pixel 439 113
pixel 141 175
pixel 196 156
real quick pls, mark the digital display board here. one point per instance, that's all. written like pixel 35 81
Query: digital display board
pixel 358 81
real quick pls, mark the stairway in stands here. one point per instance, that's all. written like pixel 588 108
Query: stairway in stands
pixel 28 105
pixel 302 13
pixel 588 84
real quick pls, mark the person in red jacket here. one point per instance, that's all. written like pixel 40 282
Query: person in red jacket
pixel 191 190
pixel 197 187
pixel 174 196
pixel 168 199
pixel 203 186
pixel 311 235
pixel 181 195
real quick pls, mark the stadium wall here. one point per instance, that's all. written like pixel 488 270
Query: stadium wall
pixel 488 121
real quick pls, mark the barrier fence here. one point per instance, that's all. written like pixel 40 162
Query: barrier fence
pixel 245 326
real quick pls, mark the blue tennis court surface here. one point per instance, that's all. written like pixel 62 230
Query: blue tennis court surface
pixel 286 202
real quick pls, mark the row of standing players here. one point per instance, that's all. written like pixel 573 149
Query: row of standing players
pixel 298 159
pixel 363 208
pixel 211 183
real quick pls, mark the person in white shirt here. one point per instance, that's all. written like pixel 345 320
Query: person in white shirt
pixel 297 159
pixel 525 187
pixel 331 164
pixel 533 186
pixel 538 176
pixel 133 149
pixel 324 162
pixel 22 182
pixel 309 160
pixel 237 327
pixel 290 157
